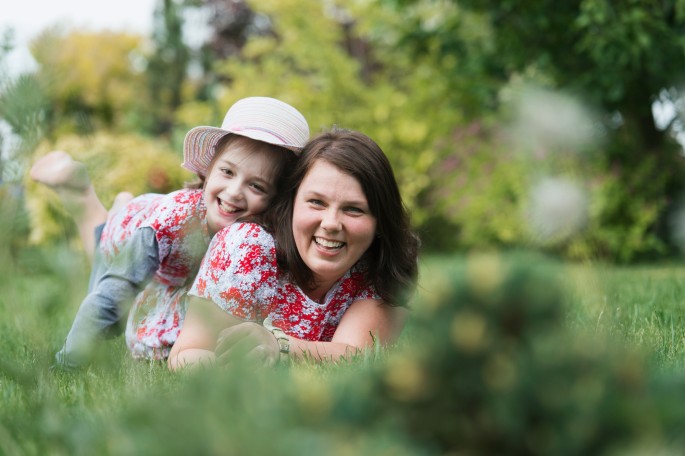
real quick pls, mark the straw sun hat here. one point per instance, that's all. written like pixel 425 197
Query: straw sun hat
pixel 260 118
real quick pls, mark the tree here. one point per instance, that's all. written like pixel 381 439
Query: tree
pixel 324 61
pixel 89 78
pixel 619 57
pixel 166 67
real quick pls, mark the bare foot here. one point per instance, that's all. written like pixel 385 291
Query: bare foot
pixel 70 180
pixel 58 169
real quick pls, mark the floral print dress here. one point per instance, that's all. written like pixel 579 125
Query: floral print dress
pixel 179 223
pixel 240 274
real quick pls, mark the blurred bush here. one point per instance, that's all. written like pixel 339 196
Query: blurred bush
pixel 15 224
pixel 93 79
pixel 541 176
pixel 492 369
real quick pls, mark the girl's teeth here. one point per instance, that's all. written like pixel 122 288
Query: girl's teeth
pixel 227 208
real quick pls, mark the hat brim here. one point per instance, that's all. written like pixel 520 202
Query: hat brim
pixel 200 143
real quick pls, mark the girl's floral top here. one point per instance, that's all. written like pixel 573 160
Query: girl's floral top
pixel 240 274
pixel 179 223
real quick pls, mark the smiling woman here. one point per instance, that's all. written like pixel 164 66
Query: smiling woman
pixel 323 275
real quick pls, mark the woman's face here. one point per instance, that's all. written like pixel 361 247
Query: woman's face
pixel 332 224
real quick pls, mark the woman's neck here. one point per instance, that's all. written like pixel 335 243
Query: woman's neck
pixel 319 291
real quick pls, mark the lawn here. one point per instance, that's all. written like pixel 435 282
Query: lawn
pixel 563 371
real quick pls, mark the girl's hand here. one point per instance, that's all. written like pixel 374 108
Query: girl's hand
pixel 247 340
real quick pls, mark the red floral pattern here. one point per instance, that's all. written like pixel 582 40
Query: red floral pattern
pixel 180 225
pixel 252 288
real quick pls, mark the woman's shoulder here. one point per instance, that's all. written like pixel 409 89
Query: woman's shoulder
pixel 245 231
pixel 240 249
pixel 356 282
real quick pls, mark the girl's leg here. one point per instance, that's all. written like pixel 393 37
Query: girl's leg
pixel 121 200
pixel 70 180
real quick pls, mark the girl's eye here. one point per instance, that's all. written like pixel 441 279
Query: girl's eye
pixel 226 171
pixel 315 202
pixel 259 188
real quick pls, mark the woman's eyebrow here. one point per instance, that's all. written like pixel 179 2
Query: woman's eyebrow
pixel 318 195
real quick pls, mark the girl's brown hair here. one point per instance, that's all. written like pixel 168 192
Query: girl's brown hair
pixel 285 158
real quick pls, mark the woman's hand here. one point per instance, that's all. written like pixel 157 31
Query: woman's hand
pixel 195 344
pixel 248 341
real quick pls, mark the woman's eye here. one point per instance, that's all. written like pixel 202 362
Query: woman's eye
pixel 315 202
pixel 226 171
pixel 354 210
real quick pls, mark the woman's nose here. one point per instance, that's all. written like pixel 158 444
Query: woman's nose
pixel 330 220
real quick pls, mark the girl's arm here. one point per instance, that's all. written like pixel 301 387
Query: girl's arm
pixel 198 337
pixel 364 322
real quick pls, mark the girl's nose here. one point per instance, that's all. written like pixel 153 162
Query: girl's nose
pixel 234 189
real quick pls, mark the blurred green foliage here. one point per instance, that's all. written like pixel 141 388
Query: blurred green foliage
pixel 89 78
pixel 617 57
pixel 482 195
pixel 487 365
pixel 436 83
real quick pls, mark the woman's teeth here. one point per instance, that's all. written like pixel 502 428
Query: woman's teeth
pixel 328 244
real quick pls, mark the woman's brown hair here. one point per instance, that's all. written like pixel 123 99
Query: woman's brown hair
pixel 392 258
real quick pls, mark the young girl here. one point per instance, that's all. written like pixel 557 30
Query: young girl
pixel 151 247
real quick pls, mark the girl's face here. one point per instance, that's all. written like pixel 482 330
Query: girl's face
pixel 241 183
pixel 332 224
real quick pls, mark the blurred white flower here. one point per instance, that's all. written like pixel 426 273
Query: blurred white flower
pixel 547 120
pixel 557 209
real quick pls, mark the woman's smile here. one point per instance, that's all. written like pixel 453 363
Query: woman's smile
pixel 335 245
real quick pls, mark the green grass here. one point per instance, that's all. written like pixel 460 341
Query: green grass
pixel 121 406
pixel 642 307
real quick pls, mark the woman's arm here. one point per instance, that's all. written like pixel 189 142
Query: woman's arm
pixel 198 337
pixel 208 328
pixel 364 322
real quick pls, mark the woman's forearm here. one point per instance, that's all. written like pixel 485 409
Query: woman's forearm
pixel 365 324
pixel 191 357
pixel 321 351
